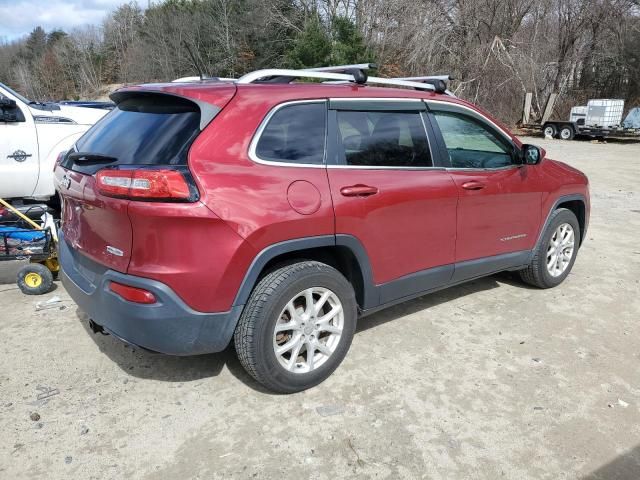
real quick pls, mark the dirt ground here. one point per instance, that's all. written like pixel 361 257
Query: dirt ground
pixel 486 380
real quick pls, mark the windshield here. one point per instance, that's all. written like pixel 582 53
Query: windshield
pixel 15 94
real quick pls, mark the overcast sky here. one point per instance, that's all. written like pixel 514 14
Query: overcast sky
pixel 19 17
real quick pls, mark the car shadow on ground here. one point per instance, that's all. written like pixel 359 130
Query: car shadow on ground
pixel 430 300
pixel 144 364
pixel 623 467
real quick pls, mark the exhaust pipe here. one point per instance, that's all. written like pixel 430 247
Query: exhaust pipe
pixel 95 328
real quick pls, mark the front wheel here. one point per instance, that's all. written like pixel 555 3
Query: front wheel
pixel 550 130
pixel 555 255
pixel 297 326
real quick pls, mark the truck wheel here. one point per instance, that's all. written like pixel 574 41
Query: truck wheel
pixel 35 279
pixel 554 256
pixel 297 326
pixel 567 133
pixel 550 130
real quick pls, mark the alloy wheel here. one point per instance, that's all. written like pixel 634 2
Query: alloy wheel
pixel 560 250
pixel 308 330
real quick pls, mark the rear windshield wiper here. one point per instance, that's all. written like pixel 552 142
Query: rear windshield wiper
pixel 90 158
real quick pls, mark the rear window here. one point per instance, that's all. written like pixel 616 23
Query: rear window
pixel 294 134
pixel 143 130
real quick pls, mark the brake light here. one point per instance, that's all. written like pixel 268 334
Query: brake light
pixel 143 184
pixel 132 294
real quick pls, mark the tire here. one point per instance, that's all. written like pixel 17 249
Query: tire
pixel 35 279
pixel 550 130
pixel 538 273
pixel 566 133
pixel 279 298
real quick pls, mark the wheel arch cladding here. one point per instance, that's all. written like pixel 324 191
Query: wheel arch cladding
pixel 576 203
pixel 578 208
pixel 343 252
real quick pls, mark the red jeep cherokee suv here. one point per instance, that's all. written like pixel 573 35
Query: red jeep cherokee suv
pixel 276 213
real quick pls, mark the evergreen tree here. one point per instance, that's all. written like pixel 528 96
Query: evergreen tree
pixel 339 43
pixel 312 47
pixel 348 45
pixel 36 44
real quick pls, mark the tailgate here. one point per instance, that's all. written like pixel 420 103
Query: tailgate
pixel 96 225
pixel 147 132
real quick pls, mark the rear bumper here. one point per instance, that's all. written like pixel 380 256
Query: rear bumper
pixel 168 326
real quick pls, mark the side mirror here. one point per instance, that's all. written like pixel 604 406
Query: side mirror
pixel 9 111
pixel 532 155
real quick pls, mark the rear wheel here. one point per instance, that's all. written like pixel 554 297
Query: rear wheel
pixel 566 133
pixel 34 279
pixel 554 257
pixel 297 326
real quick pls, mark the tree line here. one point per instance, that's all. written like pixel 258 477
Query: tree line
pixel 495 49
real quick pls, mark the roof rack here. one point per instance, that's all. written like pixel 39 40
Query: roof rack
pixel 202 79
pixel 336 74
pixel 438 81
pixel 343 68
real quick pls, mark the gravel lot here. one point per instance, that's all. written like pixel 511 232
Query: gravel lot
pixel 486 380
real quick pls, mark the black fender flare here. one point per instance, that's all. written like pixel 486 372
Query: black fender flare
pixel 370 294
pixel 554 207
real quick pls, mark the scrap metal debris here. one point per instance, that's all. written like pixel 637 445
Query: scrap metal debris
pixel 329 410
pixel 53 302
pixel 46 392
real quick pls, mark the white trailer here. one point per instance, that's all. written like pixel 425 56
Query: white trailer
pixel 600 118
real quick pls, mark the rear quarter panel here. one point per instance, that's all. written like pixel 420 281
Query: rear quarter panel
pixel 254 198
pixel 188 248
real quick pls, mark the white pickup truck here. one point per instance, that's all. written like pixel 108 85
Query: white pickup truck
pixel 32 135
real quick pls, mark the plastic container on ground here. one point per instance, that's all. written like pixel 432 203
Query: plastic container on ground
pixel 605 113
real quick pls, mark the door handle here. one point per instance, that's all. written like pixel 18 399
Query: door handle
pixel 473 185
pixel 358 191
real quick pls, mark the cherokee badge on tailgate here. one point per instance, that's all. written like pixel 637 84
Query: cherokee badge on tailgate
pixel 114 251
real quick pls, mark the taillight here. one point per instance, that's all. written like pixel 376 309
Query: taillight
pixel 144 184
pixel 132 294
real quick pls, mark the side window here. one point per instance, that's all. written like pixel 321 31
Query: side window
pixel 470 144
pixel 294 134
pixel 383 139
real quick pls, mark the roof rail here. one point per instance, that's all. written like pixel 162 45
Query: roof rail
pixel 356 75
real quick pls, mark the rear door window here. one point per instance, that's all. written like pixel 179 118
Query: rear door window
pixel 383 139
pixel 294 134
pixel 146 130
